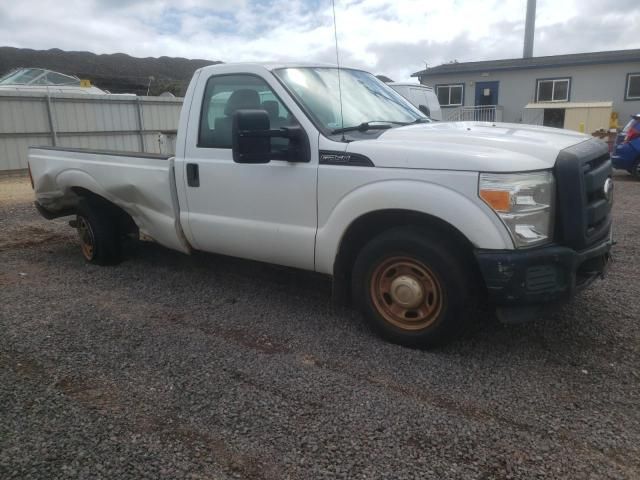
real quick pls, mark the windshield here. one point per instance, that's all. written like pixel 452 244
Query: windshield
pixel 37 76
pixel 364 97
pixel 21 77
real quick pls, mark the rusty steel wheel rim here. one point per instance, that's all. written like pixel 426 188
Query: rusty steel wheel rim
pixel 87 241
pixel 406 293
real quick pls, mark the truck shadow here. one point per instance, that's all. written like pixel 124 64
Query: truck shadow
pixel 564 335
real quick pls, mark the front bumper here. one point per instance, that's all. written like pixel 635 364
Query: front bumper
pixel 541 275
pixel 621 163
pixel 624 156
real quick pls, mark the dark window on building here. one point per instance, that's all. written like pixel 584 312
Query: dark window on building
pixel 633 86
pixel 553 90
pixel 450 95
pixel 554 117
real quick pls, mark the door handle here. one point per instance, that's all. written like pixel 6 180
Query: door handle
pixel 193 175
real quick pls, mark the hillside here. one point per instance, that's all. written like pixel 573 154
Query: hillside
pixel 118 72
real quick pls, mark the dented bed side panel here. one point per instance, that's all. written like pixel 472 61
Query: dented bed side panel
pixel 139 184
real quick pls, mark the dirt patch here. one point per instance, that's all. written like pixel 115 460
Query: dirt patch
pixel 22 366
pixel 246 466
pixel 22 274
pixel 109 400
pixel 15 189
pixel 29 236
pixel 94 396
pixel 261 343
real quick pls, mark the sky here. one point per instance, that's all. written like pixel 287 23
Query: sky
pixel 390 37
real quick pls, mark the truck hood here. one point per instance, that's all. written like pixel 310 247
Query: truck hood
pixel 471 146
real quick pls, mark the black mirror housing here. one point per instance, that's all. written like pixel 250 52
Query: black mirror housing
pixel 251 139
pixel 250 143
pixel 299 149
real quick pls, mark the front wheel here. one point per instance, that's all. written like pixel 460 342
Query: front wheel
pixel 411 287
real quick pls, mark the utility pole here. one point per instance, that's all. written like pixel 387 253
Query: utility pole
pixel 529 29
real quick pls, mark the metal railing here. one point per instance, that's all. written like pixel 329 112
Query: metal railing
pixel 478 113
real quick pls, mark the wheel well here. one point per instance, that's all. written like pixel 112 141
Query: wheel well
pixel 122 219
pixel 370 225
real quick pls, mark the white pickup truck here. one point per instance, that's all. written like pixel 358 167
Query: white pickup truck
pixel 332 171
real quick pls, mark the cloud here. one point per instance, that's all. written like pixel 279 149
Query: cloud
pixel 608 32
pixel 391 37
pixel 406 58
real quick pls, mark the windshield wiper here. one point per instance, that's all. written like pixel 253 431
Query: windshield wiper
pixel 363 127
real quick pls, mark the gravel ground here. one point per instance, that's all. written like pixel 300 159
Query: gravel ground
pixel 169 366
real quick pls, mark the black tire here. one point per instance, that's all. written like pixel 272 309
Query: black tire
pixel 635 170
pixel 99 235
pixel 410 260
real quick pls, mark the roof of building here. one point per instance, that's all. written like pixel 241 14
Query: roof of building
pixel 410 84
pixel 569 105
pixel 591 58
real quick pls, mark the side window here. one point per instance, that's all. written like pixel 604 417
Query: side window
pixel 224 95
pixel 420 97
pixel 450 95
pixel 553 90
pixel 633 87
pixel 54 78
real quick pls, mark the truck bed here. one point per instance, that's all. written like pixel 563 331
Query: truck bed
pixel 113 153
pixel 142 184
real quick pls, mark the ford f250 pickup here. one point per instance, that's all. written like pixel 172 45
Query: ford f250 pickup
pixel 330 170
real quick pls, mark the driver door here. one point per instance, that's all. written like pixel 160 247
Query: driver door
pixel 264 212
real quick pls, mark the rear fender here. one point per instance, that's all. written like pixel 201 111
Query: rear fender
pixel 151 209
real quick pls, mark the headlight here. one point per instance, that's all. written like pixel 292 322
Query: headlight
pixel 524 203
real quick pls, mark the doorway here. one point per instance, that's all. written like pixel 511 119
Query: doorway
pixel 486 95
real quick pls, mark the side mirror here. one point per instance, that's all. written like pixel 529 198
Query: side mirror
pixel 298 150
pixel 249 136
pixel 424 109
pixel 251 139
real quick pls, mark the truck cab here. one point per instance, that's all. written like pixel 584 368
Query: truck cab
pixel 330 170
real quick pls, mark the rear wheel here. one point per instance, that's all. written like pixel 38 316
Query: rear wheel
pixel 98 235
pixel 411 288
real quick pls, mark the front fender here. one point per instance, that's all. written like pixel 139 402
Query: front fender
pixel 476 221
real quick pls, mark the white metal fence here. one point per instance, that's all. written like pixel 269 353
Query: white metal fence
pixel 113 122
pixel 533 116
pixel 478 113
